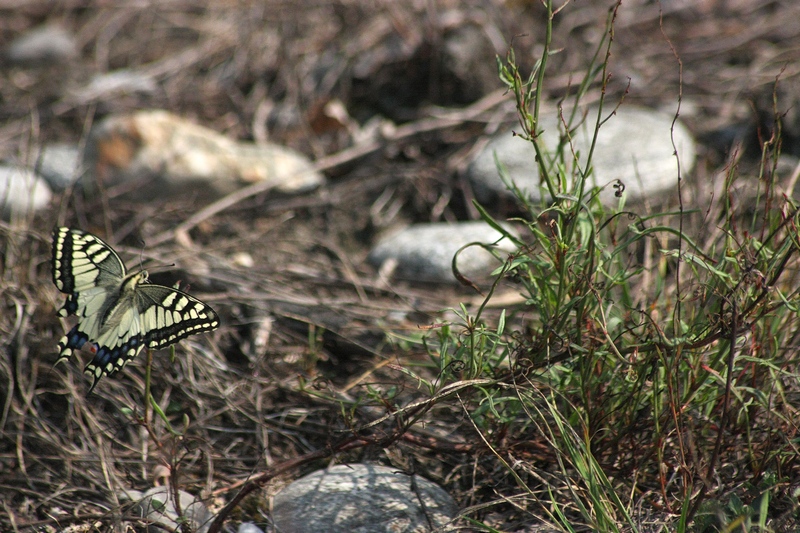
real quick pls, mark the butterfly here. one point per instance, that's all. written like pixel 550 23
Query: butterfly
pixel 118 313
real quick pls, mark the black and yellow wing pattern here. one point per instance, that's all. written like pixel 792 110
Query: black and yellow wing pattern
pixel 118 313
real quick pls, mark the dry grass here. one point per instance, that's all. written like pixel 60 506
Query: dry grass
pixel 305 326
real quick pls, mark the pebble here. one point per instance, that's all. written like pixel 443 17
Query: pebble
pixel 249 527
pixel 424 252
pixel 157 507
pixel 21 192
pixel 58 164
pixel 633 146
pixel 110 85
pixel 178 157
pixel 49 43
pixel 362 498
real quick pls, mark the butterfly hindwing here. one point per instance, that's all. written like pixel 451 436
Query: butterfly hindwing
pixel 118 313
pixel 73 340
pixel 177 314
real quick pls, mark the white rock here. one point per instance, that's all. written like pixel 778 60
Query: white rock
pixel 243 259
pixel 110 85
pixel 58 164
pixel 172 155
pixel 633 146
pixel 361 498
pixel 21 191
pixel 45 44
pixel 425 252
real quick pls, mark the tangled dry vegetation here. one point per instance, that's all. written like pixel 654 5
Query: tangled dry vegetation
pixel 305 326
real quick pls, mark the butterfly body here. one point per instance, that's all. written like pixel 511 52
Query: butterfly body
pixel 118 313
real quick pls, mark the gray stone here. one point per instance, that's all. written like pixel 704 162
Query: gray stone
pixel 21 191
pixel 249 527
pixel 58 164
pixel 425 252
pixel 633 146
pixel 157 507
pixel 45 44
pixel 110 85
pixel 362 498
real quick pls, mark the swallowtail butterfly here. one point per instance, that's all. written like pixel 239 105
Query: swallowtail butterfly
pixel 118 313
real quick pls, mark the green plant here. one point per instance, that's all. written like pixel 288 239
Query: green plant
pixel 652 352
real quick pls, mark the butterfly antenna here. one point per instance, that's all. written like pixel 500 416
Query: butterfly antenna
pixel 141 260
pixel 141 254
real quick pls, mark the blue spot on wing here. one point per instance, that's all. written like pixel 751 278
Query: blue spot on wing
pixel 71 305
pixel 117 357
pixel 75 339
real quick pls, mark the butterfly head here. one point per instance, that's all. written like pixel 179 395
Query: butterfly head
pixel 134 280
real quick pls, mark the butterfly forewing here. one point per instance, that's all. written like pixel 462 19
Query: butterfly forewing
pixel 88 270
pixel 82 261
pixel 118 314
